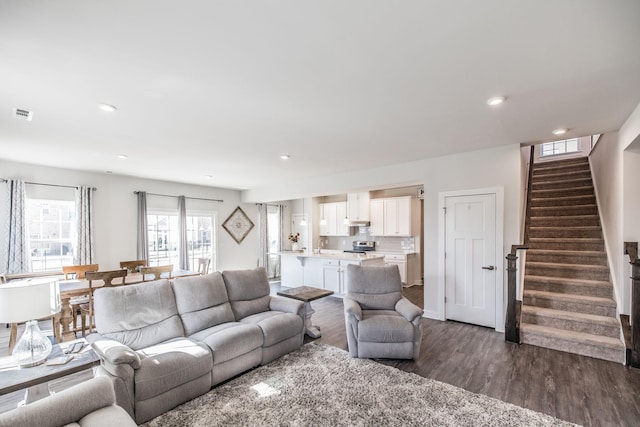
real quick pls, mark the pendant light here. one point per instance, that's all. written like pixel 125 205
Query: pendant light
pixel 303 222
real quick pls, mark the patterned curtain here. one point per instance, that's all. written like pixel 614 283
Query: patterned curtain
pixel 143 229
pixel 183 243
pixel 84 224
pixel 17 258
pixel 263 236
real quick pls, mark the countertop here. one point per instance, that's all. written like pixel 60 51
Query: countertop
pixel 333 255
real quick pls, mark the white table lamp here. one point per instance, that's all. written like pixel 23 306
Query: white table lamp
pixel 26 301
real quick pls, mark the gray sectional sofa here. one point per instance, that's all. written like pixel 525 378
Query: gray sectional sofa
pixel 165 342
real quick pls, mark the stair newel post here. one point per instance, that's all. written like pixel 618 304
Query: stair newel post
pixel 512 322
pixel 635 313
pixel 631 249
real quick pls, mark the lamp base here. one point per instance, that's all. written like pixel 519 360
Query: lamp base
pixel 32 348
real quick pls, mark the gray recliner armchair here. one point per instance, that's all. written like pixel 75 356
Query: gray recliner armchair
pixel 380 322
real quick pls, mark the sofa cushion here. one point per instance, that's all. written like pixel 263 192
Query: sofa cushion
pixel 248 291
pixel 170 364
pixel 276 326
pixel 138 315
pixel 202 302
pixel 384 327
pixel 229 340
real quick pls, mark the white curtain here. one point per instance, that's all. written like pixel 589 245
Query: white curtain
pixel 183 243
pixel 143 229
pixel 84 223
pixel 17 257
pixel 263 236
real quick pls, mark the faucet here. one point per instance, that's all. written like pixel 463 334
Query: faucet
pixel 319 245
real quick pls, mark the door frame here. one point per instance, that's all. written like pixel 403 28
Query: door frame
pixel 499 248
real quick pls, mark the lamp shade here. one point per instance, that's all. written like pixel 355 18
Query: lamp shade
pixel 29 299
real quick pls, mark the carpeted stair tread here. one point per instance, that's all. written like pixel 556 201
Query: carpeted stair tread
pixel 569 183
pixel 571 315
pixel 573 336
pixel 582 209
pixel 568 281
pixel 562 192
pixel 562 201
pixel 562 285
pixel 568 239
pixel 539 176
pixel 557 256
pixel 583 299
pixel 564 220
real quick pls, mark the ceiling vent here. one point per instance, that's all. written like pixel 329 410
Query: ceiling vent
pixel 20 114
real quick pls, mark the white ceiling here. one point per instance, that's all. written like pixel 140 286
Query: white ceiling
pixel 223 88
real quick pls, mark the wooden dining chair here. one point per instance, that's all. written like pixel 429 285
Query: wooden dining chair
pixel 77 272
pixel 86 310
pixel 203 265
pixel 132 266
pixel 155 271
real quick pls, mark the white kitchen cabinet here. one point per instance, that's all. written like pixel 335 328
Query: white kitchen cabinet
pixel 358 207
pixel 408 265
pixel 332 216
pixel 333 274
pixel 396 216
pixel 377 217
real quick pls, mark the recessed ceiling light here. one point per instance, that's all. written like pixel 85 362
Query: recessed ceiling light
pixel 285 157
pixel 560 131
pixel 108 172
pixel 107 107
pixel 496 100
pixel 209 176
pixel 122 156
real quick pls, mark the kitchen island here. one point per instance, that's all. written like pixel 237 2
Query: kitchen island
pixel 325 270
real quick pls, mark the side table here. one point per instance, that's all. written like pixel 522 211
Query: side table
pixel 307 294
pixel 35 379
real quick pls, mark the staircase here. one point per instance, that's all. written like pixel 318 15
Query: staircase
pixel 568 297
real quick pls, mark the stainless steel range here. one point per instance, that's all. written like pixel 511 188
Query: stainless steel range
pixel 361 247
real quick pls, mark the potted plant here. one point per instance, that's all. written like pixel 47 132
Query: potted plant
pixel 293 238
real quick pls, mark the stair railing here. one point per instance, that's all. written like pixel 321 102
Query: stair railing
pixel 514 306
pixel 631 249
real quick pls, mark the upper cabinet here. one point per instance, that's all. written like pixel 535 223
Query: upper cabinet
pixel 358 207
pixel 396 216
pixel 332 219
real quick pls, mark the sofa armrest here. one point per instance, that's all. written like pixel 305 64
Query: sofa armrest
pixel 286 305
pixel 352 308
pixel 408 310
pixel 68 406
pixel 113 352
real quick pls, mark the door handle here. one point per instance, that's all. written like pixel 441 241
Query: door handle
pixel 491 267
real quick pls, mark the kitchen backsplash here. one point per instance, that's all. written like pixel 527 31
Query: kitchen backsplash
pixel 383 244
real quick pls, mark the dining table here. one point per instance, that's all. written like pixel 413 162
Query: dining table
pixel 75 288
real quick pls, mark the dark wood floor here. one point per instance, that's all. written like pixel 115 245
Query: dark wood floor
pixel 574 388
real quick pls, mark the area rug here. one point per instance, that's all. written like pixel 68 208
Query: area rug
pixel 320 385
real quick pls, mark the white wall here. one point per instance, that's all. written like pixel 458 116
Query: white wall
pixel 116 210
pixel 498 167
pixel 606 170
pixel 615 164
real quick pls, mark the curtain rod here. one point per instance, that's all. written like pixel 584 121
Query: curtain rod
pixel 169 195
pixel 48 185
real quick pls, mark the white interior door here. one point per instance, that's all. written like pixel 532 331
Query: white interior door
pixel 470 272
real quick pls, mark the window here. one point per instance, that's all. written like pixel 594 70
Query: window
pixel 559 147
pixel 163 239
pixel 51 233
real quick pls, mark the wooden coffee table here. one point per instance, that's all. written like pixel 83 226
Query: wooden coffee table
pixel 307 294
pixel 35 379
